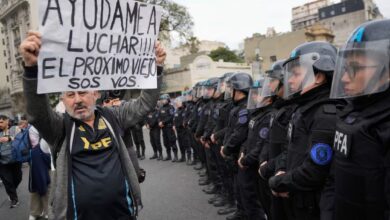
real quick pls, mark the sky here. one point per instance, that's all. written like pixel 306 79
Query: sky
pixel 231 21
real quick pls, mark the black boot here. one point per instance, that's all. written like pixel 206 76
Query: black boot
pixel 143 155
pixel 175 159
pixel 182 159
pixel 154 156
pixel 160 156
pixel 227 210
pixel 199 166
pixel 138 154
pixel 168 156
pixel 236 216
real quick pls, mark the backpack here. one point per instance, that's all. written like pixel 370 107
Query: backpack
pixel 6 153
pixel 21 146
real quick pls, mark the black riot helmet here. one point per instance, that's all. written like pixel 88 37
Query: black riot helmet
pixel 305 62
pixel 165 99
pixel 363 62
pixel 274 79
pixel 277 70
pixel 239 82
pixel 209 87
pixel 221 88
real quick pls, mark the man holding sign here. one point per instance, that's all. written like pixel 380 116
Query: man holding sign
pixel 95 177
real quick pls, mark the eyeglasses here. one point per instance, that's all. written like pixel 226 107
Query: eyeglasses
pixel 353 69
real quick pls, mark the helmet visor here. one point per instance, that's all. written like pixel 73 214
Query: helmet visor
pixel 254 98
pixel 362 68
pixel 270 87
pixel 221 85
pixel 299 74
pixel 228 91
pixel 198 92
pixel 207 92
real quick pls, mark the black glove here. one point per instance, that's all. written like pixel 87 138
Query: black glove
pixel 141 175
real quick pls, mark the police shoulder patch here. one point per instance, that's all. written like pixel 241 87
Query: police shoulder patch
pixel 321 154
pixel 263 133
pixel 243 116
pixel 243 112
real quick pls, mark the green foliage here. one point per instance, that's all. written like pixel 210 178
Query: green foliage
pixel 225 54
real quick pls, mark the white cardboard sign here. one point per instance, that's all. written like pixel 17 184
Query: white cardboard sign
pixel 97 45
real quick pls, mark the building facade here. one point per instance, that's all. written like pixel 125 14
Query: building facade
pixel 306 15
pixel 202 68
pixel 342 18
pixel 267 50
pixel 174 55
pixel 5 100
pixel 16 17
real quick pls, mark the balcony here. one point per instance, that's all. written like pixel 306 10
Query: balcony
pixel 7 7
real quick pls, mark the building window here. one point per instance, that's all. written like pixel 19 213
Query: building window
pixel 7 78
pixel 323 14
pixel 273 58
pixel 6 65
pixel 332 12
pixel 3 41
pixel 343 9
pixel 5 54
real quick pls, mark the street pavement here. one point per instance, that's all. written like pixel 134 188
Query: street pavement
pixel 170 192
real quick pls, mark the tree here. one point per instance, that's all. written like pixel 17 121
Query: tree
pixel 225 54
pixel 175 20
pixel 192 44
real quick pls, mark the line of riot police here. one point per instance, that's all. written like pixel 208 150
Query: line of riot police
pixel 309 141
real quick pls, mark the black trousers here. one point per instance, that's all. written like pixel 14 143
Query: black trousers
pixel 194 144
pixel 155 139
pixel 11 175
pixel 250 193
pixel 184 142
pixel 221 169
pixel 169 139
pixel 139 142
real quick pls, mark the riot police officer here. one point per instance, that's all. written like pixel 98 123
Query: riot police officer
pixel 362 139
pixel 277 133
pixel 193 125
pixel 220 117
pixel 138 137
pixel 309 72
pixel 208 90
pixel 190 105
pixel 238 87
pixel 254 193
pixel 154 133
pixel 166 115
pixel 182 134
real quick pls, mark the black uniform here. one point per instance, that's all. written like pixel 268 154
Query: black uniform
pixel 280 119
pixel 362 159
pixel 193 124
pixel 138 137
pixel 220 117
pixel 190 106
pixel 182 133
pixel 235 136
pixel 154 132
pixel 310 134
pixel 166 117
pixel 255 194
pixel 204 115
